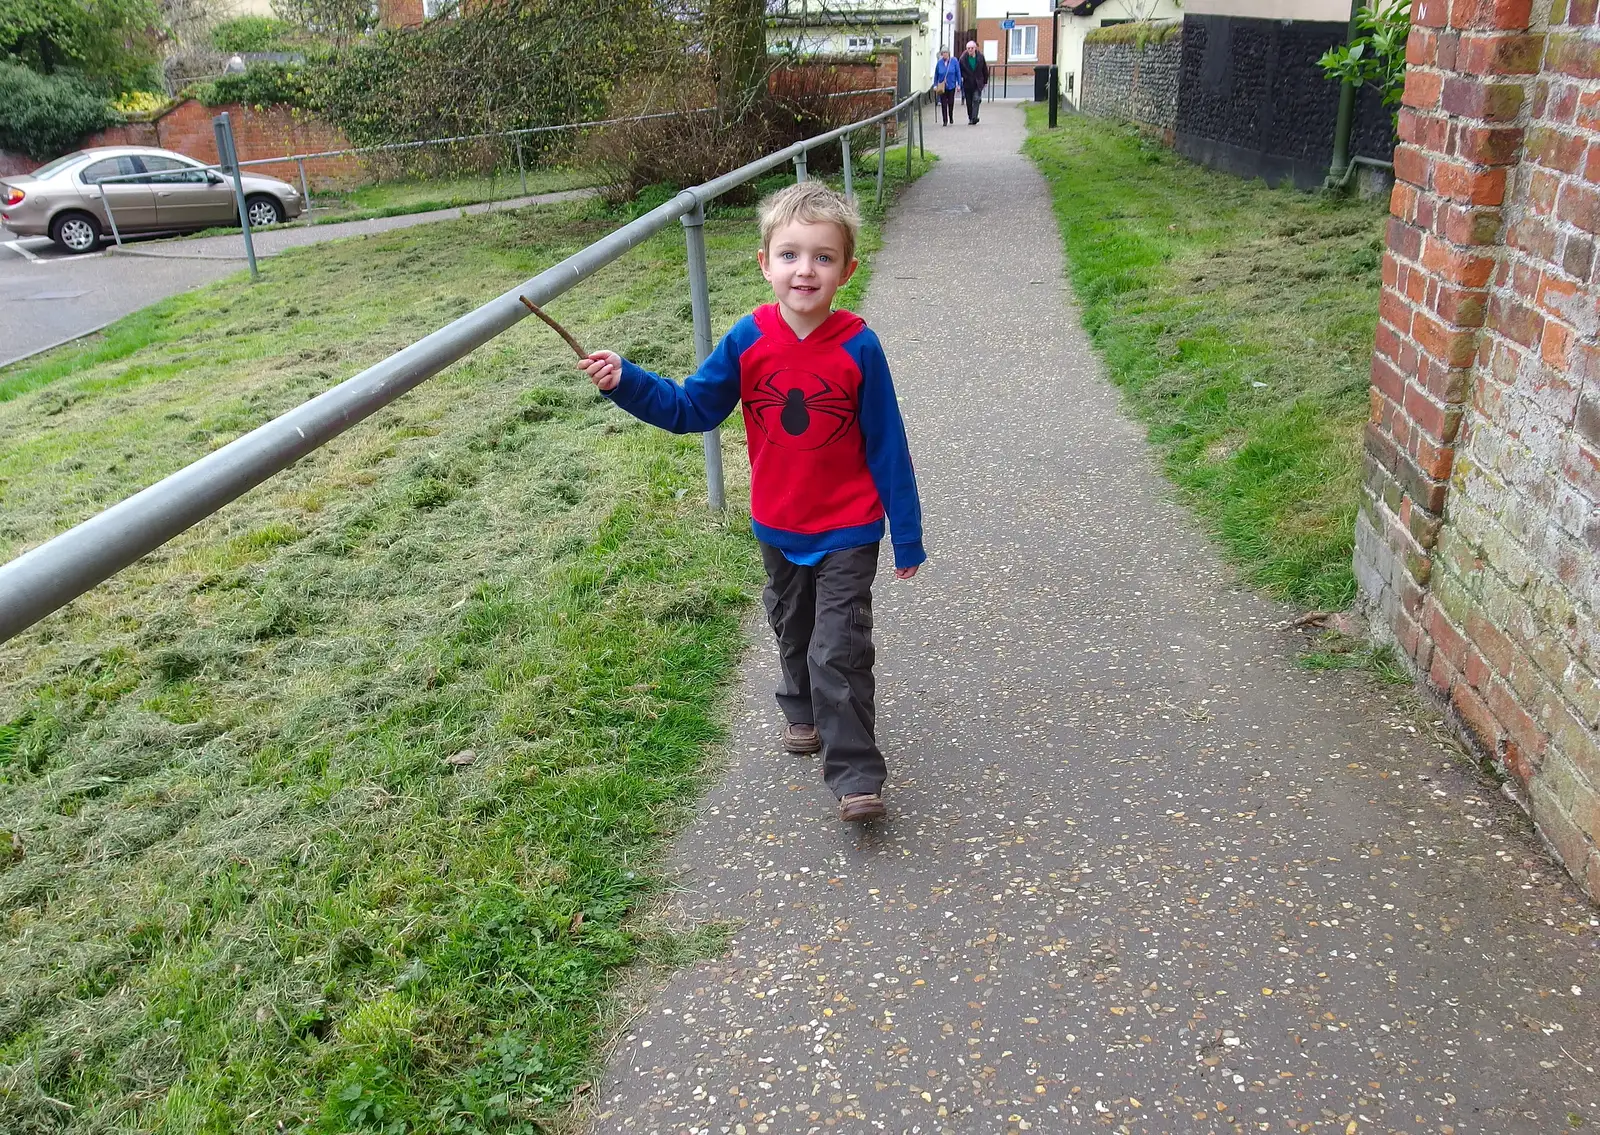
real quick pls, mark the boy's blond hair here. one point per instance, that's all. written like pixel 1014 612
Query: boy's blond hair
pixel 813 203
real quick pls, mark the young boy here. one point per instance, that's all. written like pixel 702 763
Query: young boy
pixel 828 463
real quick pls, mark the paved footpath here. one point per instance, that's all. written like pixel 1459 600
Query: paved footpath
pixel 1143 874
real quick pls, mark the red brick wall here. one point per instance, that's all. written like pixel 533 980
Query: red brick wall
pixel 267 132
pixel 1021 73
pixel 128 134
pixel 1479 539
pixel 399 13
pixel 819 76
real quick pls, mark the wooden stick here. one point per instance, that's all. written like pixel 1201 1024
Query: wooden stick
pixel 559 330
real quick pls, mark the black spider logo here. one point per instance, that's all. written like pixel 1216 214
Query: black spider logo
pixel 797 409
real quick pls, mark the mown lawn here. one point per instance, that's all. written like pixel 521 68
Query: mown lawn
pixel 1238 321
pixel 393 198
pixel 334 814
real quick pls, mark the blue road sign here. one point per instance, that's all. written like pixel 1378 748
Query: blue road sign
pixel 1007 25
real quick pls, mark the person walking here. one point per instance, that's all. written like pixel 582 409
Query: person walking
pixel 830 471
pixel 974 77
pixel 946 81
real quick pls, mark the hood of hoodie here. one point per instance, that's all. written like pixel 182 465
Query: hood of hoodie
pixel 840 327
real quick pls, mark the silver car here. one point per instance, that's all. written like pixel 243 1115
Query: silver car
pixel 66 199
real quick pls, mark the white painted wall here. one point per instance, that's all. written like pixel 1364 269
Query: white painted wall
pixel 834 40
pixel 1336 11
pixel 997 9
pixel 1072 29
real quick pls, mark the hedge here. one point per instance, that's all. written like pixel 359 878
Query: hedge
pixel 46 115
pixel 1138 32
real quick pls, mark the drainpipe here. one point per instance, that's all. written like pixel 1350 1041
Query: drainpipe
pixel 1347 112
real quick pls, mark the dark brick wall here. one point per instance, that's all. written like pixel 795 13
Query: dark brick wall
pixel 1134 83
pixel 1253 101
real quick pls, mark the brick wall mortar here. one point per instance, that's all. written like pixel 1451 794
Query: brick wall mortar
pixel 1478 544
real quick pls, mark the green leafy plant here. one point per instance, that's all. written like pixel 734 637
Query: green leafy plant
pixel 1377 55
pixel 252 33
pixel 47 115
pixel 263 84
pixel 111 44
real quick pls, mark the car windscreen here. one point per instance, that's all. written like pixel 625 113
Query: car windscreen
pixel 51 167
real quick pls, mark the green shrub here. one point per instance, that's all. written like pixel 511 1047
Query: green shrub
pixel 46 115
pixel 252 33
pixel 263 84
pixel 1137 32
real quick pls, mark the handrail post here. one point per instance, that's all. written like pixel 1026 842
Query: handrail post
pixel 800 170
pixel 694 236
pixel 922 133
pixel 105 199
pixel 522 170
pixel 849 170
pixel 883 144
pixel 910 130
pixel 305 189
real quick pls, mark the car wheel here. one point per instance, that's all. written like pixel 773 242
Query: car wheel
pixel 263 211
pixel 76 232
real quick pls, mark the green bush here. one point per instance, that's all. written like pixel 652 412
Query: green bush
pixel 263 84
pixel 1137 32
pixel 252 33
pixel 47 115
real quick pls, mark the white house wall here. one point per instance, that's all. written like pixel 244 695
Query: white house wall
pixel 1329 10
pixel 835 40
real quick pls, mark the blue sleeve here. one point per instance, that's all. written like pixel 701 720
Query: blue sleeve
pixel 888 453
pixel 706 397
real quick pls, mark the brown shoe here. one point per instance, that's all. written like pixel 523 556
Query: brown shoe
pixel 801 739
pixel 862 806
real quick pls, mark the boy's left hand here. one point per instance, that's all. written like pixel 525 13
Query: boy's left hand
pixel 905 573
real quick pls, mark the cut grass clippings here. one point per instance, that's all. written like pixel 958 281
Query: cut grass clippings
pixel 396 198
pixel 329 815
pixel 1238 321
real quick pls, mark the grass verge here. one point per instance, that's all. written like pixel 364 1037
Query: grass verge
pixel 394 198
pixel 1238 321
pixel 330 815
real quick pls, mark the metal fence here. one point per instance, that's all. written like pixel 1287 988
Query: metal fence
pixel 58 571
pixel 300 160
pixel 515 137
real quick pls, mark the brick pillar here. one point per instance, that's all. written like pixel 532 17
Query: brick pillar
pixel 1468 68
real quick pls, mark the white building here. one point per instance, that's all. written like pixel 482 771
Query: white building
pixel 1077 21
pixel 858 27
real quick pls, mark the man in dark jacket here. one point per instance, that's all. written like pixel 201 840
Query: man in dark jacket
pixel 974 77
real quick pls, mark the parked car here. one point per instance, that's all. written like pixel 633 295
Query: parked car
pixel 66 199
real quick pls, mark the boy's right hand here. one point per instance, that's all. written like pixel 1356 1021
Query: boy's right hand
pixel 604 369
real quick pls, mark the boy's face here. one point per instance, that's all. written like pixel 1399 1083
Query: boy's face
pixel 805 265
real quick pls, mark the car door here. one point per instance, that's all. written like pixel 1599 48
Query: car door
pixel 132 203
pixel 187 197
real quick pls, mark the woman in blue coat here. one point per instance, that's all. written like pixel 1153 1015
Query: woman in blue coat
pixel 948 72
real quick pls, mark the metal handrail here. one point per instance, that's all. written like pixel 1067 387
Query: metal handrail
pixel 300 160
pixel 50 576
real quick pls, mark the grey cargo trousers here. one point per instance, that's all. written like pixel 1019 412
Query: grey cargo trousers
pixel 822 616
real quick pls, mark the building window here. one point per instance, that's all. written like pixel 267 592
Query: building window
pixel 433 8
pixel 884 41
pixel 1025 42
pixel 858 43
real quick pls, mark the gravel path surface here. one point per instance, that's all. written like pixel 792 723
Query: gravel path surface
pixel 1142 874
